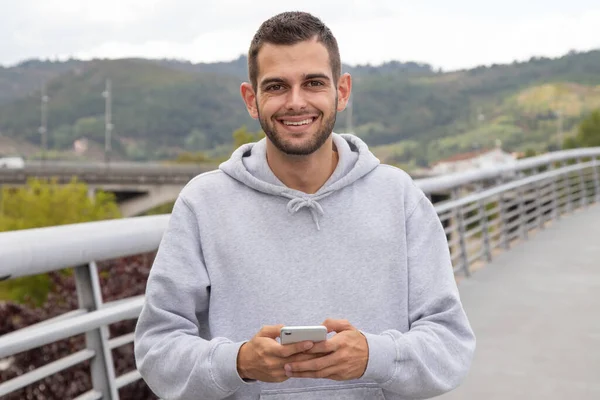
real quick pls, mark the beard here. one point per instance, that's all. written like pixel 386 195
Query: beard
pixel 311 145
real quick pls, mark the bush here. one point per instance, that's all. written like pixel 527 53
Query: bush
pixel 119 279
pixel 43 203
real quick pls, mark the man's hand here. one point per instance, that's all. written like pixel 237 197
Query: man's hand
pixel 263 358
pixel 343 357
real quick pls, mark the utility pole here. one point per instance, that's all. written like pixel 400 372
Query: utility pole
pixel 44 122
pixel 108 126
pixel 560 129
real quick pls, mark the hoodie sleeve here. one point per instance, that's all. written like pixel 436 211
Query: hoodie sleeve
pixel 435 355
pixel 173 359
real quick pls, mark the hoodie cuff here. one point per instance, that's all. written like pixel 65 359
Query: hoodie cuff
pixel 382 358
pixel 224 367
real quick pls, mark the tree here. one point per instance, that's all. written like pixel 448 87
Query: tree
pixel 62 137
pixel 529 153
pixel 589 130
pixel 90 127
pixel 196 140
pixel 242 136
pixel 186 157
pixel 570 143
pixel 45 203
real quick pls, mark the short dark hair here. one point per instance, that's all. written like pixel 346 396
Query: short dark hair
pixel 289 28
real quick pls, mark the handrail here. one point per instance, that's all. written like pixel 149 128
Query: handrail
pixel 451 181
pixel 40 250
pixel 495 190
pixel 47 370
pixel 30 338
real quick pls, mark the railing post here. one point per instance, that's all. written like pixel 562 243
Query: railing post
pixel 595 167
pixel 460 220
pixel 555 207
pixel 484 230
pixel 522 214
pixel 568 187
pixel 554 186
pixel 539 205
pixel 583 198
pixel 503 223
pixel 90 298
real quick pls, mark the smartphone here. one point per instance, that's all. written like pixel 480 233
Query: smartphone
pixel 294 334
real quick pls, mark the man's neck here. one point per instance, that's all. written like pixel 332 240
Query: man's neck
pixel 304 173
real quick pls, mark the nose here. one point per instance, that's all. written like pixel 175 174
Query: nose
pixel 295 100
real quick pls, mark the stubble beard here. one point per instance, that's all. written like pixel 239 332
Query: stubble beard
pixel 311 145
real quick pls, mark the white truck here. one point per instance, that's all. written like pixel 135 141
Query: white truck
pixel 12 163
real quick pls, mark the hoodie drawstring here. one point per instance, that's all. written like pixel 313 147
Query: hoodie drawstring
pixel 297 203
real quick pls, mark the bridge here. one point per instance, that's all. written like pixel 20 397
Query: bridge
pixel 138 187
pixel 524 244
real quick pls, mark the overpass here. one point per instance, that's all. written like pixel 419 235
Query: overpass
pixel 532 309
pixel 138 187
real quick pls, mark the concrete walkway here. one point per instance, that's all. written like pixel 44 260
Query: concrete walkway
pixel 536 313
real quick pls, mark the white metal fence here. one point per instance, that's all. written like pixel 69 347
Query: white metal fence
pixel 487 211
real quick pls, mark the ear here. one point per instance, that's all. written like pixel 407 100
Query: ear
pixel 249 97
pixel 344 89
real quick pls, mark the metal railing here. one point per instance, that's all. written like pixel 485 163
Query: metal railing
pixel 488 210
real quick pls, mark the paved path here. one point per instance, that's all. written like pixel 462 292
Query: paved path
pixel 536 313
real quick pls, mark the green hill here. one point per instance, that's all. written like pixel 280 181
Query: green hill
pixel 28 77
pixel 409 113
pixel 154 108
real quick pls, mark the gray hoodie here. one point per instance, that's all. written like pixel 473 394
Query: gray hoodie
pixel 242 250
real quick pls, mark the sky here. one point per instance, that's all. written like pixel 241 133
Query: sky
pixel 448 34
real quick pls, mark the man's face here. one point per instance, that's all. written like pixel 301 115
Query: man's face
pixel 296 98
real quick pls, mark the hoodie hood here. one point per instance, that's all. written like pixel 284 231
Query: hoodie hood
pixel 248 165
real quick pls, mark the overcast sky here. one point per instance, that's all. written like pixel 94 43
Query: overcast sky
pixel 449 34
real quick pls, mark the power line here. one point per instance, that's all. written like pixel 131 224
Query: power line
pixel 43 129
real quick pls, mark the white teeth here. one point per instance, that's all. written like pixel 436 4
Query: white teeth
pixel 305 122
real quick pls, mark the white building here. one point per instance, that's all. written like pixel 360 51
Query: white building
pixel 486 158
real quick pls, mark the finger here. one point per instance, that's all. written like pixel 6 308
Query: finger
pixel 287 350
pixel 326 346
pixel 300 357
pixel 316 364
pixel 327 373
pixel 337 325
pixel 270 331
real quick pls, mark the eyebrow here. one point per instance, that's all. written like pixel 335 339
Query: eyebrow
pixel 305 77
pixel 316 76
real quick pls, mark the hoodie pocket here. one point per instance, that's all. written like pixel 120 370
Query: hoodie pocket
pixel 337 392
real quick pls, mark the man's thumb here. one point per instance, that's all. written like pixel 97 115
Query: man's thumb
pixel 337 325
pixel 270 331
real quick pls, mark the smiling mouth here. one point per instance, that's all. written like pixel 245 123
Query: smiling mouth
pixel 297 122
pixel 306 121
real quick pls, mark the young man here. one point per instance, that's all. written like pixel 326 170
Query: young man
pixel 305 227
